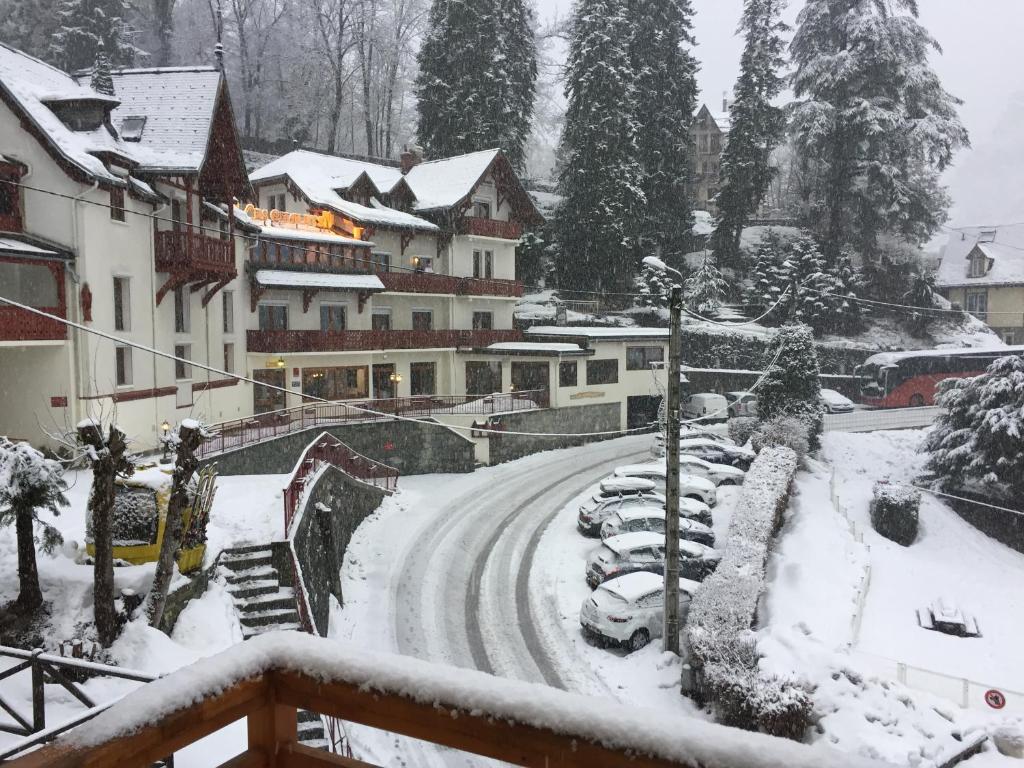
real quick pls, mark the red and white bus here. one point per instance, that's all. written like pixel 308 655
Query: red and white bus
pixel 909 379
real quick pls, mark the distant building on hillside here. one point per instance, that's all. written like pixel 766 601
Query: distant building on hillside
pixel 709 131
pixel 982 269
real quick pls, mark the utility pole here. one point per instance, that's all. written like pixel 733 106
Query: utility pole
pixel 672 425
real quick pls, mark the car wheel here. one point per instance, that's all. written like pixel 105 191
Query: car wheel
pixel 639 639
pixel 916 401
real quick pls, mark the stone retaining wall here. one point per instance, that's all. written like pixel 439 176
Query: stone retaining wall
pixel 600 417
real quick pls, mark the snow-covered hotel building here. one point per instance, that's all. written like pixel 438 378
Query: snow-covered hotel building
pixel 104 220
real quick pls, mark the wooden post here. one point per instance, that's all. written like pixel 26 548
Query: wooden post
pixel 38 700
pixel 272 728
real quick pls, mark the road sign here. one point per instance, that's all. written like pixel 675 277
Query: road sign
pixel 995 699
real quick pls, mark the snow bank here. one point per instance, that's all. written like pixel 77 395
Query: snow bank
pixel 680 739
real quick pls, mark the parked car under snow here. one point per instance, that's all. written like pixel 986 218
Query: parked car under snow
pixel 633 520
pixel 645 551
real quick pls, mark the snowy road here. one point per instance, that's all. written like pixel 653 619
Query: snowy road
pixel 461 595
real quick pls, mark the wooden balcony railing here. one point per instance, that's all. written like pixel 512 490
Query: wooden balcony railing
pixel 184 251
pixel 473 225
pixel 281 342
pixel 22 325
pixel 19 325
pixel 429 282
pixel 267 679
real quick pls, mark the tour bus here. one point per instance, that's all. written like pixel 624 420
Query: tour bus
pixel 910 379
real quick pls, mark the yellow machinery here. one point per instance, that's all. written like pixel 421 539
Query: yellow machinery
pixel 140 515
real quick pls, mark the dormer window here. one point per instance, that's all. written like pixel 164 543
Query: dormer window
pixel 81 114
pixel 987 236
pixel 978 266
pixel 131 128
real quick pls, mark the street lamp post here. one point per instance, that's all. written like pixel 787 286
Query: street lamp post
pixel 672 426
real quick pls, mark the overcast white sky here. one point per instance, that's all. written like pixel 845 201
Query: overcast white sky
pixel 982 63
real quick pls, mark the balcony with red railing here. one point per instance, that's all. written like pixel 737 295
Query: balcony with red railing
pixel 281 342
pixel 41 286
pixel 481 227
pixel 192 252
pixel 430 282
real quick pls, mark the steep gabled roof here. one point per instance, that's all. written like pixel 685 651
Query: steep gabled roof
pixel 1002 245
pixel 28 85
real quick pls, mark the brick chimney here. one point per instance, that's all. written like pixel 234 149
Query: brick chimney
pixel 411 156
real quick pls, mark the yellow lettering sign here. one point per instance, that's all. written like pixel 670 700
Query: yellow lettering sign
pixel 586 395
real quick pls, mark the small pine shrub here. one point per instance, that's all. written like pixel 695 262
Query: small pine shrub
pixel 745 698
pixel 741 428
pixel 894 512
pixel 793 432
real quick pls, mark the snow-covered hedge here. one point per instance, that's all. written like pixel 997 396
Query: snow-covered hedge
pixel 724 610
pixel 894 512
pixel 741 428
pixel 790 431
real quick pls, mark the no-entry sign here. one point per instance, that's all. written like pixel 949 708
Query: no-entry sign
pixel 995 699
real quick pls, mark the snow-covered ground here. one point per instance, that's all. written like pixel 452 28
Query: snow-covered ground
pixel 811 629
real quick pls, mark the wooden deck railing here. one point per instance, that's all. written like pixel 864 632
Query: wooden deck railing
pixel 178 250
pixel 268 678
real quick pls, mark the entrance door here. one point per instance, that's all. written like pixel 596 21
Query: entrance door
pixel 263 398
pixel 383 386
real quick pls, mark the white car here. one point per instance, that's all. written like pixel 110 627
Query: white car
pixel 687 436
pixel 645 551
pixel 742 403
pixel 633 520
pixel 834 402
pixel 706 406
pixel 719 474
pixel 690 486
pixel 598 509
pixel 629 610
pixel 624 486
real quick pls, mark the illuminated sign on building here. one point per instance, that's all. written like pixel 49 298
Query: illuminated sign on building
pixel 322 220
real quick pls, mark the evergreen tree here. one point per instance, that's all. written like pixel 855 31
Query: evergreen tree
pixel 756 125
pixel 706 288
pixel 600 181
pixel 87 25
pixel 101 80
pixel 666 100
pixel 791 386
pixel 475 88
pixel 653 287
pixel 29 483
pixel 873 117
pixel 977 435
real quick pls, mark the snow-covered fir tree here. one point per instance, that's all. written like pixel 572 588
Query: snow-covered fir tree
pixel 665 99
pixel 874 120
pixel 653 287
pixel 977 435
pixel 756 125
pixel 85 26
pixel 791 385
pixel 477 73
pixel 705 289
pixel 101 80
pixel 29 484
pixel 599 218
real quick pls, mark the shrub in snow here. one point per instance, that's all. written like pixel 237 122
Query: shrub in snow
pixel 741 427
pixel 725 608
pixel 894 512
pixel 792 432
pixel 790 386
pixel 979 435
pixel 1009 740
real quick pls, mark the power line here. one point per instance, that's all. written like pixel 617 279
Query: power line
pixel 960 498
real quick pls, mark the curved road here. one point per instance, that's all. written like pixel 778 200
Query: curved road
pixel 461 594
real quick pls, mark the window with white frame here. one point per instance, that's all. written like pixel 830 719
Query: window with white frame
pixel 979 265
pixel 123 366
pixel 122 304
pixel 977 303
pixel 380 319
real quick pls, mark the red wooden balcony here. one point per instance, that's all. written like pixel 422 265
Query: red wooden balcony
pixel 430 282
pixel 43 285
pixel 191 252
pixel 280 342
pixel 473 225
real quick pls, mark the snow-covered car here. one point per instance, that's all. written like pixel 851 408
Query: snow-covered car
pixel 686 436
pixel 629 610
pixel 697 561
pixel 624 486
pixel 690 487
pixel 718 453
pixel 633 520
pixel 596 510
pixel 741 403
pixel 834 402
pixel 719 474
pixel 645 551
pixel 706 406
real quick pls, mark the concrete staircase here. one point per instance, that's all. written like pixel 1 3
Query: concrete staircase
pixel 263 605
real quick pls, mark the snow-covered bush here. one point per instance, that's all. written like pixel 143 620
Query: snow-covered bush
pixel 741 428
pixel 978 435
pixel 790 431
pixel 894 512
pixel 791 385
pixel 725 609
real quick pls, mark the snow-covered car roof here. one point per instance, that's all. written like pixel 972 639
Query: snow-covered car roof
pixel 655 500
pixel 632 513
pixel 703 442
pixel 627 541
pixel 633 586
pixel 702 551
pixel 835 397
pixel 617 484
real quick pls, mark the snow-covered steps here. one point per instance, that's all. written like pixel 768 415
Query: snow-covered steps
pixel 246 588
pixel 275 616
pixel 291 626
pixel 246 558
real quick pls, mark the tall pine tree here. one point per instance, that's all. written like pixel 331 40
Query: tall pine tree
pixel 757 125
pixel 873 118
pixel 706 288
pixel 475 87
pixel 666 100
pixel 87 25
pixel 601 178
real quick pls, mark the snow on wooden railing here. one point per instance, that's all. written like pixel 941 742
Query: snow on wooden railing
pixel 266 679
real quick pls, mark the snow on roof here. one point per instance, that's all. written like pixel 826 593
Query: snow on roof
pixel 598 332
pixel 11 245
pixel 33 84
pixel 443 183
pixel 178 104
pixel 723 120
pixel 633 586
pixel 289 279
pixel 318 176
pixel 1003 244
pixel 533 346
pixel 670 737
